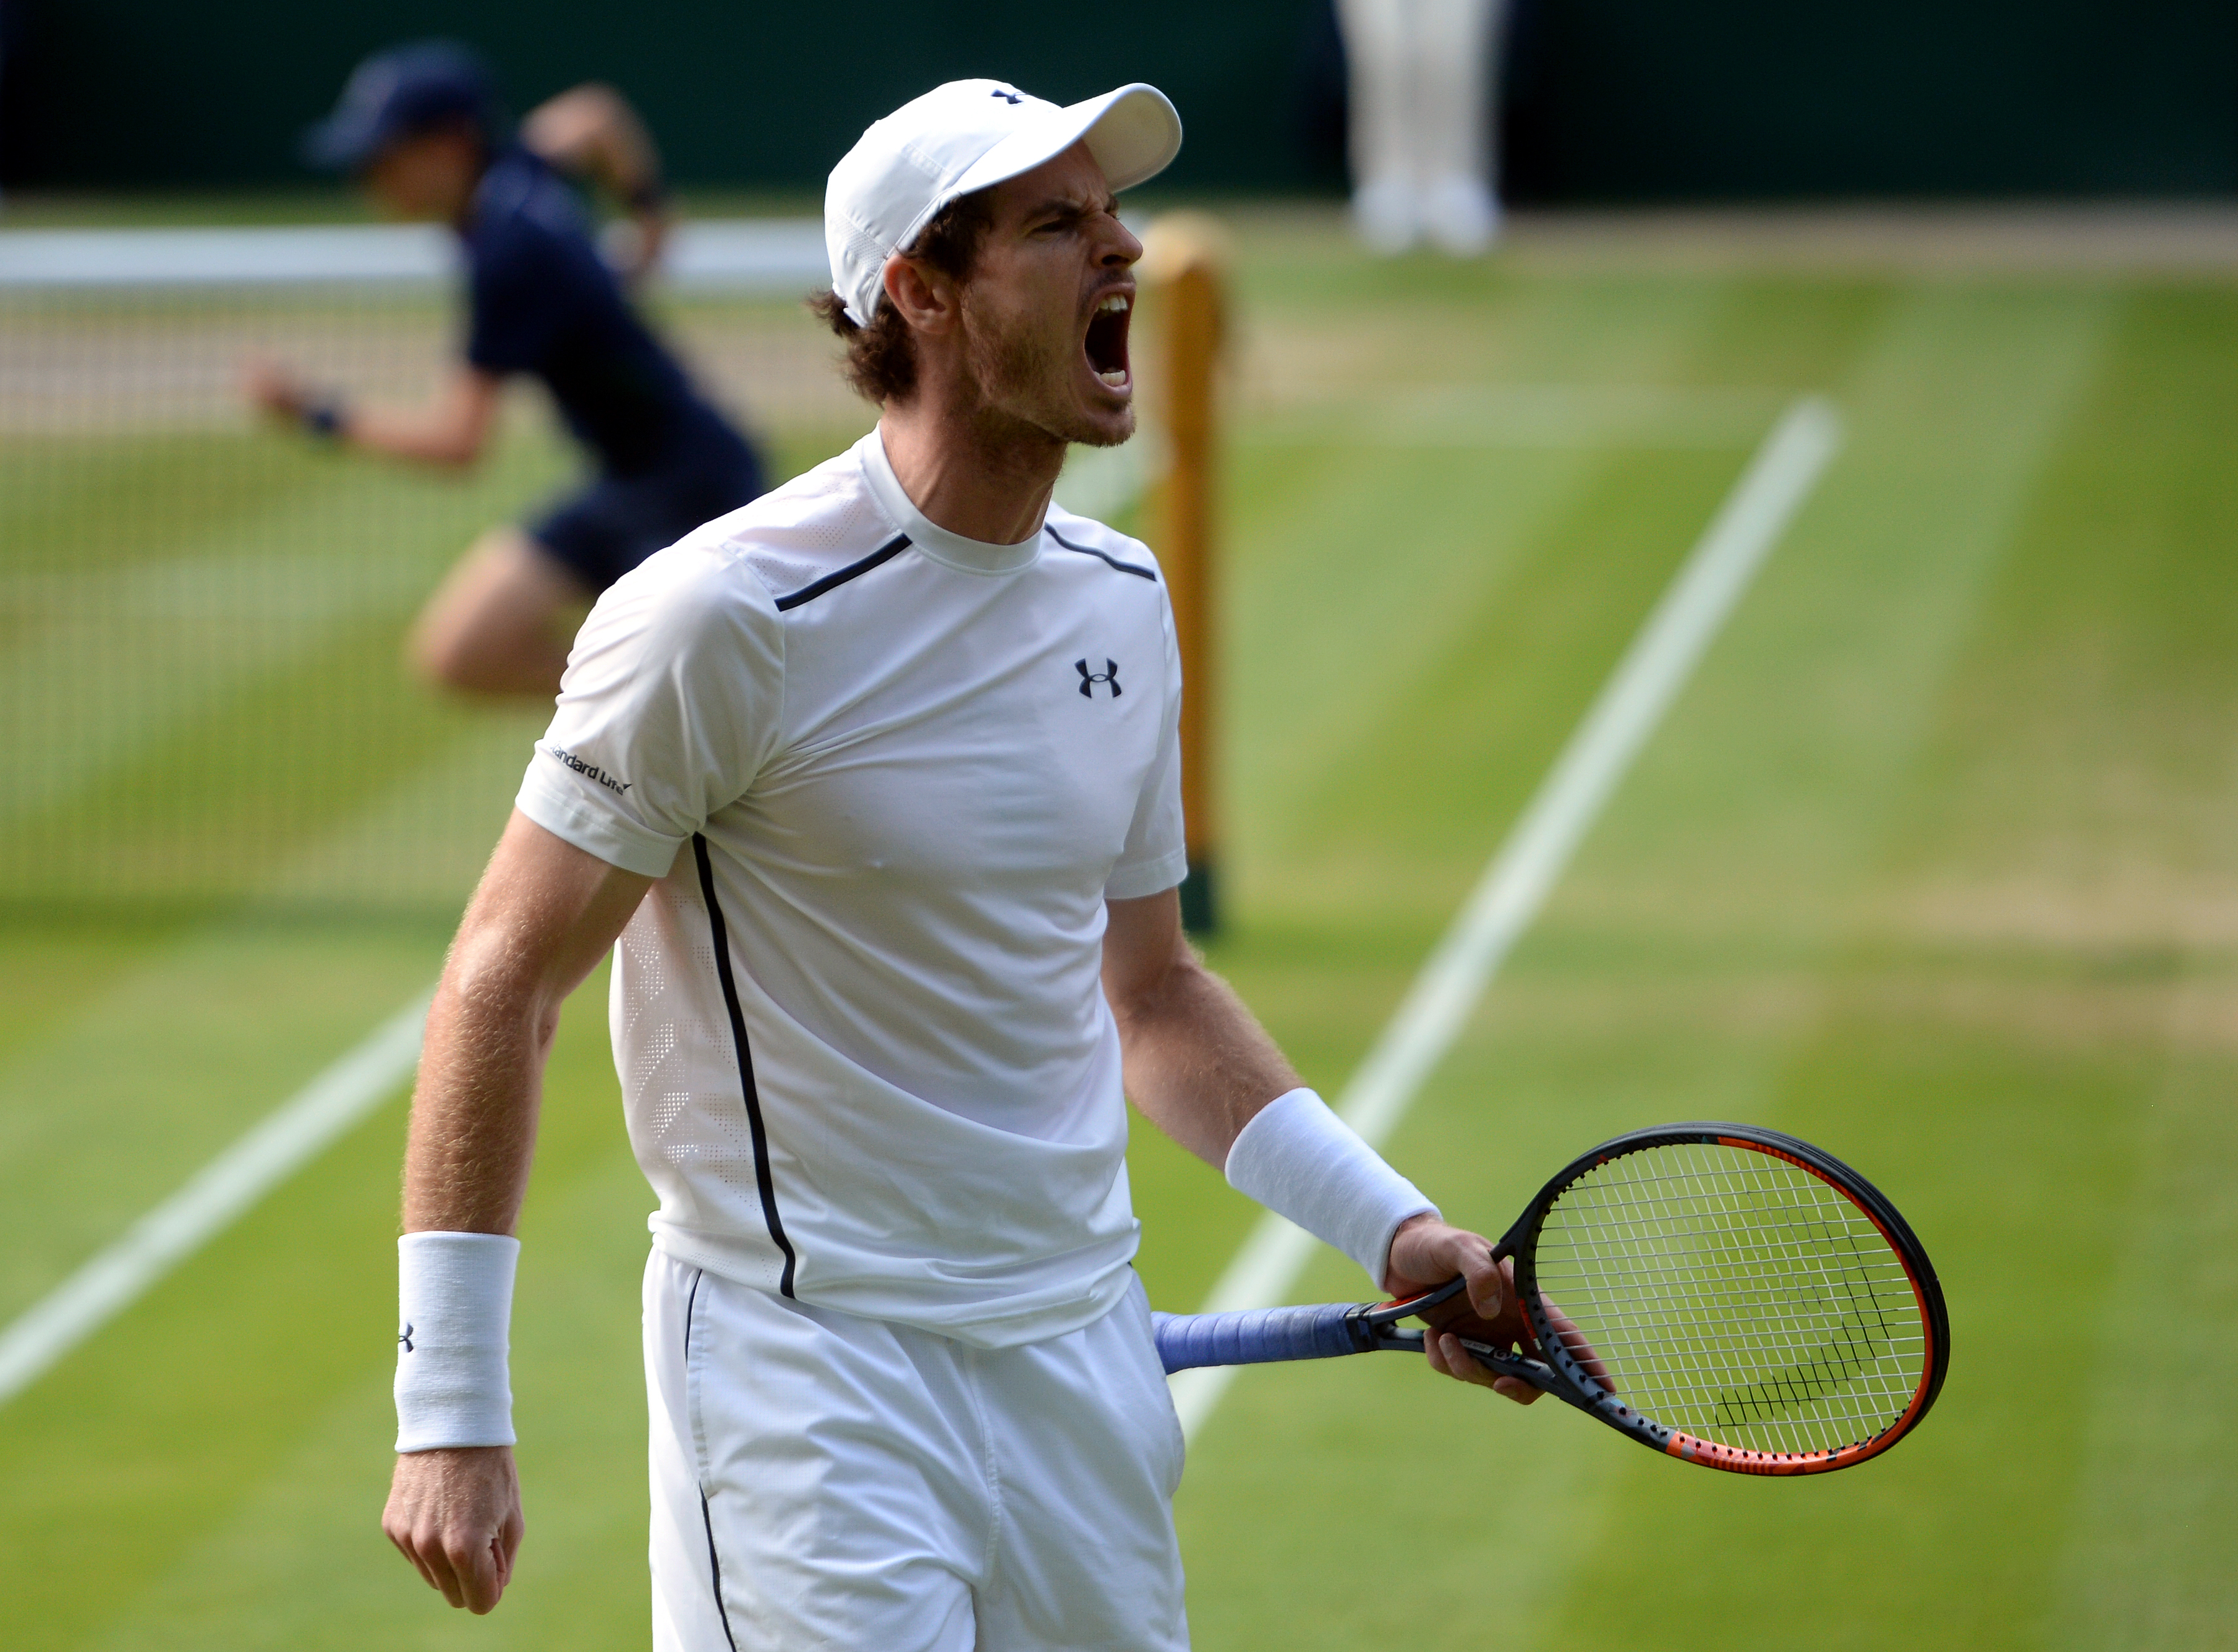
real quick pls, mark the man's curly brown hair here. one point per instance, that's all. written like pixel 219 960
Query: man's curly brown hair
pixel 880 358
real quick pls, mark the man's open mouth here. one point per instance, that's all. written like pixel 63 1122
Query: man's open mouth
pixel 1107 339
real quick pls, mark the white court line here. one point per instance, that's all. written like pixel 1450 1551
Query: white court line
pixel 1515 886
pixel 227 1186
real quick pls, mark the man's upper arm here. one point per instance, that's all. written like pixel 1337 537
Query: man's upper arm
pixel 1143 942
pixel 547 907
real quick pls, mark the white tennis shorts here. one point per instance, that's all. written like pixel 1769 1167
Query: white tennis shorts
pixel 825 1481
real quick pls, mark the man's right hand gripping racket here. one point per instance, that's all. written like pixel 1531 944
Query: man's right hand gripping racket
pixel 1730 1295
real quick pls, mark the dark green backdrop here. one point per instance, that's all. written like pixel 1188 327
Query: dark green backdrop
pixel 1611 99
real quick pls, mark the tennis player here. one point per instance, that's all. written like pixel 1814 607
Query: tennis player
pixel 876 782
pixel 419 126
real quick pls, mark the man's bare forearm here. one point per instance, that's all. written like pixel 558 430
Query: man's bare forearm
pixel 435 434
pixel 1197 1063
pixel 475 1108
pixel 448 430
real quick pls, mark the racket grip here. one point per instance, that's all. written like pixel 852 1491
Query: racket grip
pixel 1255 1336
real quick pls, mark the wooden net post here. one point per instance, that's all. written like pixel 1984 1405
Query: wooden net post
pixel 1184 265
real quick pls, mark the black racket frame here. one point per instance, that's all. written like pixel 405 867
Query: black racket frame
pixel 1374 1325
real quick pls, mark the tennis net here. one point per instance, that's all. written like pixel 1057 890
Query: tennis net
pixel 201 615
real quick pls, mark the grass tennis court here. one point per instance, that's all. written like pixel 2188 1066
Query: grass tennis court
pixel 1936 859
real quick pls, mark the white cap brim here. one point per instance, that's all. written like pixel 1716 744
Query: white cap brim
pixel 1133 133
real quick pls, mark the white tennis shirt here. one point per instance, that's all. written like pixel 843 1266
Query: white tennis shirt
pixel 887 777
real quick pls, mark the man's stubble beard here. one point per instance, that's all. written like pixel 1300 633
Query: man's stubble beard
pixel 1021 375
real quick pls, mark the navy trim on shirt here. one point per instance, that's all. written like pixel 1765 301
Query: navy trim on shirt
pixel 832 581
pixel 753 1095
pixel 1103 556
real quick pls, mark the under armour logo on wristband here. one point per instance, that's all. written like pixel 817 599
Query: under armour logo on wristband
pixel 1089 678
pixel 1007 96
pixel 406 1338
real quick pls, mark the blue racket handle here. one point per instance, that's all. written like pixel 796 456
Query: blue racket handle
pixel 1256 1336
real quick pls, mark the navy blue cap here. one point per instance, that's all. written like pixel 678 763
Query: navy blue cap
pixel 398 93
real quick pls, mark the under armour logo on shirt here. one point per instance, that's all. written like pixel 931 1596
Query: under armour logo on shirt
pixel 1006 96
pixel 1089 678
pixel 407 1337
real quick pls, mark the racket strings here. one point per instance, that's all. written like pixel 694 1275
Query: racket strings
pixel 1736 1297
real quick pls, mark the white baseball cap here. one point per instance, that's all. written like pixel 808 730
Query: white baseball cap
pixel 967 135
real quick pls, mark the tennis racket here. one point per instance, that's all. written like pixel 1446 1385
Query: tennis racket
pixel 1729 1295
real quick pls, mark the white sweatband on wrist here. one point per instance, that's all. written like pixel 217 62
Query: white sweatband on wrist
pixel 1301 1161
pixel 455 1306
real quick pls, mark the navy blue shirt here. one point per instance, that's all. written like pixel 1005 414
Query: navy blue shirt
pixel 545 303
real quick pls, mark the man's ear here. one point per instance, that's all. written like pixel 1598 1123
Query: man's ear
pixel 927 300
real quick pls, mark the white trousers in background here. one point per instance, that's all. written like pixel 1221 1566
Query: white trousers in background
pixel 1422 120
pixel 823 1481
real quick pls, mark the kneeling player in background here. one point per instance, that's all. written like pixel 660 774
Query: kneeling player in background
pixel 419 126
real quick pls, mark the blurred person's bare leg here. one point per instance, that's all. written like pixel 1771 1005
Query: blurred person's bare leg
pixel 501 623
pixel 1381 141
pixel 1454 75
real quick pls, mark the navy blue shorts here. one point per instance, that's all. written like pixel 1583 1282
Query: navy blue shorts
pixel 603 532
